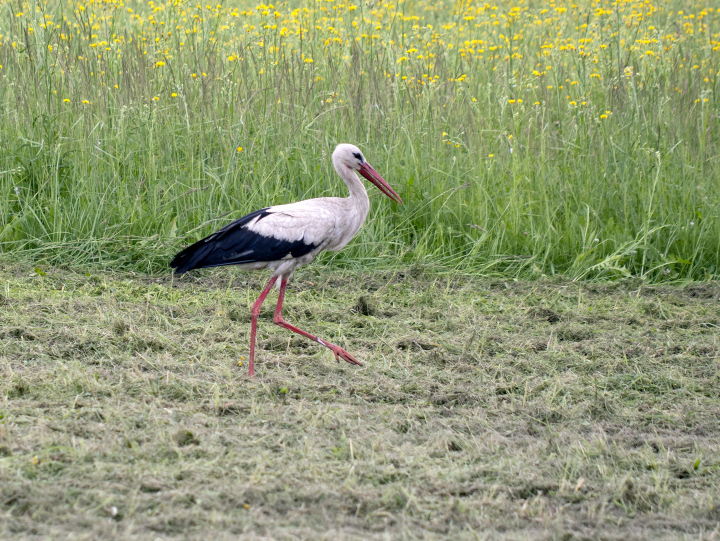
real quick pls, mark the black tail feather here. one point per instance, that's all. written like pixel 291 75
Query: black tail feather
pixel 191 257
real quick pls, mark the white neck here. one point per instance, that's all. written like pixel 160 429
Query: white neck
pixel 358 194
pixel 355 207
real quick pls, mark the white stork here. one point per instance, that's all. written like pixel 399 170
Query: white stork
pixel 284 237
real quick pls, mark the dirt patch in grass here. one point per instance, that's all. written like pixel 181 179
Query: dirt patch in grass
pixel 485 409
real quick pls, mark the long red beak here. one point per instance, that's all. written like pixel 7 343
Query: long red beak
pixel 373 176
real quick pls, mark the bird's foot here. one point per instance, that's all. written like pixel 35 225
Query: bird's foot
pixel 340 353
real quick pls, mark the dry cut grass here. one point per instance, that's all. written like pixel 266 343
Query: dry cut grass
pixel 487 409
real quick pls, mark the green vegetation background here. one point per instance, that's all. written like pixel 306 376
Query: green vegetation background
pixel 575 140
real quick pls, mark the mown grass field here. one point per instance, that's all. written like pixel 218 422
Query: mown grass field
pixel 486 409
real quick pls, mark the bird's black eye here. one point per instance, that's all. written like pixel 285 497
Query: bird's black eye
pixel 358 156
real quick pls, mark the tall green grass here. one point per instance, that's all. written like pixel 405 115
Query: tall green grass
pixel 126 180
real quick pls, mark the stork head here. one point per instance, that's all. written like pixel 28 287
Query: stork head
pixel 351 157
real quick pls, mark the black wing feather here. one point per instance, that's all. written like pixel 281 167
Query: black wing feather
pixel 235 244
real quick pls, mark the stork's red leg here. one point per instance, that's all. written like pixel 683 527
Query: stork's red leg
pixel 339 352
pixel 255 312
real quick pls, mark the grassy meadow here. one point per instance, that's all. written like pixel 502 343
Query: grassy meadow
pixel 526 138
pixel 534 368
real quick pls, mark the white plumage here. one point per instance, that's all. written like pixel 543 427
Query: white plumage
pixel 284 237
